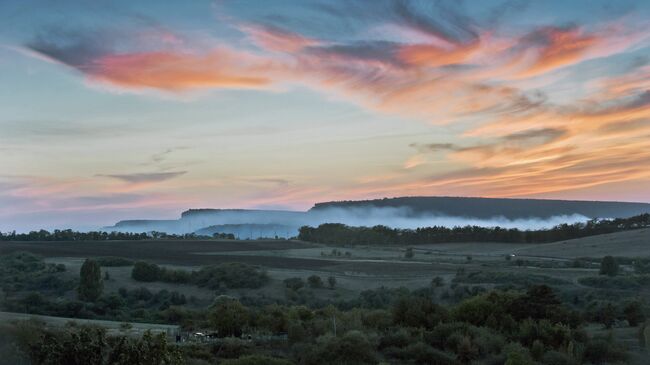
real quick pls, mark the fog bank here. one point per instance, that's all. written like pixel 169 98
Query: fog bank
pixel 269 223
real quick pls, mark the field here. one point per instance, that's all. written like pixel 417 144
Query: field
pixel 461 271
pixel 355 268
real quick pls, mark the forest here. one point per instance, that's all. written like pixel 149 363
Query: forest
pixel 342 234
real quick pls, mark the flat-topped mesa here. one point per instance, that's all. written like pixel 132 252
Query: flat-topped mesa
pixel 138 222
pixel 485 208
pixel 217 211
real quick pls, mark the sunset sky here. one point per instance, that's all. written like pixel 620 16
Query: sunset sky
pixel 115 110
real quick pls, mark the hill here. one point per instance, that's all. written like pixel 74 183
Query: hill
pixel 486 208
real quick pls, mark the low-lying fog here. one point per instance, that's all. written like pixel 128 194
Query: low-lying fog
pixel 261 223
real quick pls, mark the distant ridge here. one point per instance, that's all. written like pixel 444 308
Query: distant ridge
pixel 403 211
pixel 511 208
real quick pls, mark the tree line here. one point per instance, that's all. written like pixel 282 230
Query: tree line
pixel 337 233
pixel 70 235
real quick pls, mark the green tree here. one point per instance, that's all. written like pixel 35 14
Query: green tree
pixel 228 316
pixel 437 282
pixel 143 271
pixel 351 348
pixel 607 315
pixel 408 253
pixel 90 284
pixel 634 313
pixel 148 350
pixel 294 283
pixel 331 281
pixel 516 354
pixel 609 266
pixel 315 282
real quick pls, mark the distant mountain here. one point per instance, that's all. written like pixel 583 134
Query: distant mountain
pixel 406 212
pixel 485 208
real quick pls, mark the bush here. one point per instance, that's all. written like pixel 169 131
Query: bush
pixel 315 282
pixel 618 282
pixel 422 353
pixel 230 275
pixel 351 348
pixel 601 350
pixel 516 354
pixel 294 283
pixel 143 271
pixel 556 358
pixel 331 281
pixel 609 266
pixel 418 312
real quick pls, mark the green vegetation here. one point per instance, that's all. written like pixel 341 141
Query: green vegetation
pixel 609 266
pixel 617 283
pixel 21 271
pixel 230 275
pixel 491 312
pixel 85 345
pixel 70 235
pixel 506 278
pixel 227 275
pixel 90 284
pixel 335 233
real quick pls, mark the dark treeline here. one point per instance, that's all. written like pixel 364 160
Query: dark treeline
pixel 70 235
pixel 343 234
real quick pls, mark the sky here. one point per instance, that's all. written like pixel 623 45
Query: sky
pixel 114 110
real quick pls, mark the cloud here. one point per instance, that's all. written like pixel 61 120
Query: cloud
pixel 145 177
pixel 273 38
pixel 449 24
pixel 76 49
pixel 555 47
pixel 173 71
pixel 524 121
pixel 169 69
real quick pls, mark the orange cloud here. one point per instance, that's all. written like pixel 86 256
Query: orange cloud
pixel 556 47
pixel 435 56
pixel 172 71
pixel 275 39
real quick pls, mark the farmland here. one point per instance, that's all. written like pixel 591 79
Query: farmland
pixel 363 276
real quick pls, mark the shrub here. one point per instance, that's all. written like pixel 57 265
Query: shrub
pixel 143 271
pixel 230 275
pixel 351 348
pixel 418 312
pixel 315 282
pixel 609 266
pixel 601 350
pixel 422 353
pixel 556 358
pixel 294 283
pixel 516 354
pixel 331 281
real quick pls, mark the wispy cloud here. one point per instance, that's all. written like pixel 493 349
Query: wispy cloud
pixel 145 177
pixel 429 61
